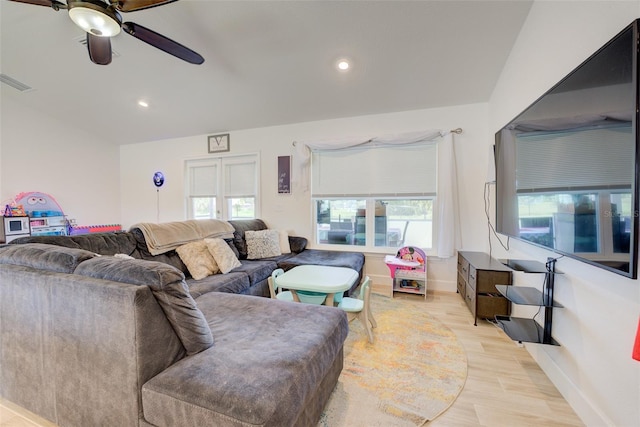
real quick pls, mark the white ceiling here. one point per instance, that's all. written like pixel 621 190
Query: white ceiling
pixel 266 63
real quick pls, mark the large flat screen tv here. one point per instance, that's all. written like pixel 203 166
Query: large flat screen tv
pixel 567 167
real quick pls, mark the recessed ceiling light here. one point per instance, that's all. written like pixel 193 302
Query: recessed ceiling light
pixel 343 65
pixel 142 103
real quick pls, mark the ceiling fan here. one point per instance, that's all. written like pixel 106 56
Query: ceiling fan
pixel 102 20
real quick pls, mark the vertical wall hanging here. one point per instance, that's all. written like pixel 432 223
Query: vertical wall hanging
pixel 284 174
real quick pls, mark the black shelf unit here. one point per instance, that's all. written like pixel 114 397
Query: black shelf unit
pixel 523 295
pixel 528 330
pixel 524 330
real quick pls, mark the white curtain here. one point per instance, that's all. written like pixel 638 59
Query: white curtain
pixel 447 198
pixel 448 220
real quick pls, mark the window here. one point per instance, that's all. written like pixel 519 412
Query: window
pixel 396 222
pixel 375 197
pixel 222 188
pixel 409 222
pixel 202 179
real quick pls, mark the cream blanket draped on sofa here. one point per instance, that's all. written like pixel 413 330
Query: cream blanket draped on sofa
pixel 167 236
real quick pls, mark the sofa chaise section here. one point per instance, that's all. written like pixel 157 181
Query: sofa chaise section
pixel 84 341
pixel 274 352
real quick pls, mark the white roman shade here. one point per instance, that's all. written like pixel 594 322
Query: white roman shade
pixel 240 179
pixel 404 170
pixel 203 180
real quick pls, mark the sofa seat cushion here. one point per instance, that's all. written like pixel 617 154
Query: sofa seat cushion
pixel 234 283
pixel 268 361
pixel 167 285
pixel 257 270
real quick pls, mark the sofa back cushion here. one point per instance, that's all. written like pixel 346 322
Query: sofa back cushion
pixel 100 243
pixel 171 257
pixel 238 236
pixel 44 257
pixel 297 244
pixel 168 286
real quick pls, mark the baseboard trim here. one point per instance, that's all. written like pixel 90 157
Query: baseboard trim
pixel 583 407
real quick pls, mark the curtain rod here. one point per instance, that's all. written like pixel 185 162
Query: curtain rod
pixel 456 131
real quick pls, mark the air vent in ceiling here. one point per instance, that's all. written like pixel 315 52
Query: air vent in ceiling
pixel 14 83
pixel 83 41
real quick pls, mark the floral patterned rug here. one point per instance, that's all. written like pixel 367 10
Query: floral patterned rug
pixel 413 371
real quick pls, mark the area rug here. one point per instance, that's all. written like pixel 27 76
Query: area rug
pixel 411 373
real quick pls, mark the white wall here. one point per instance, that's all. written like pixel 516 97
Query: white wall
pixel 593 366
pixel 293 212
pixel 79 170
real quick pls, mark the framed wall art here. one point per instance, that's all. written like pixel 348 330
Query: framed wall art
pixel 218 143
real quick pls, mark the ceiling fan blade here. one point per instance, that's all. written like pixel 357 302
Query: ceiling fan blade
pixel 133 5
pixel 99 49
pixel 162 43
pixel 56 5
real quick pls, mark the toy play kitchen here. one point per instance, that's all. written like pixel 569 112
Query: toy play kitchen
pixel 35 214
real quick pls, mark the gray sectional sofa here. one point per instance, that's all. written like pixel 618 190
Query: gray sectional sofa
pixel 88 340
pixel 249 279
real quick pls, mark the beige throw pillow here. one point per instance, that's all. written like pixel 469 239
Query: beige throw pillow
pixel 198 259
pixel 285 247
pixel 222 253
pixel 262 244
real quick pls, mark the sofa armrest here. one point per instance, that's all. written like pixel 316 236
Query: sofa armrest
pixel 297 244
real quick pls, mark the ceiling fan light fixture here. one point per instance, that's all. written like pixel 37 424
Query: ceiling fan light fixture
pixel 95 18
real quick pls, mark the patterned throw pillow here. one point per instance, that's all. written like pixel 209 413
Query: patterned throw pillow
pixel 262 244
pixel 198 259
pixel 222 253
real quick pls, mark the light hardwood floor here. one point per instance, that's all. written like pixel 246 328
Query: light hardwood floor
pixel 504 387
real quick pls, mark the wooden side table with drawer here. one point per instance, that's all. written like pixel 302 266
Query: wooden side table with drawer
pixel 478 275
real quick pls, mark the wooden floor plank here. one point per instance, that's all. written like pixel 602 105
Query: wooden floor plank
pixel 505 386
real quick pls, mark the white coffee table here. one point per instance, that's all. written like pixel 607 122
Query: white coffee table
pixel 317 278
